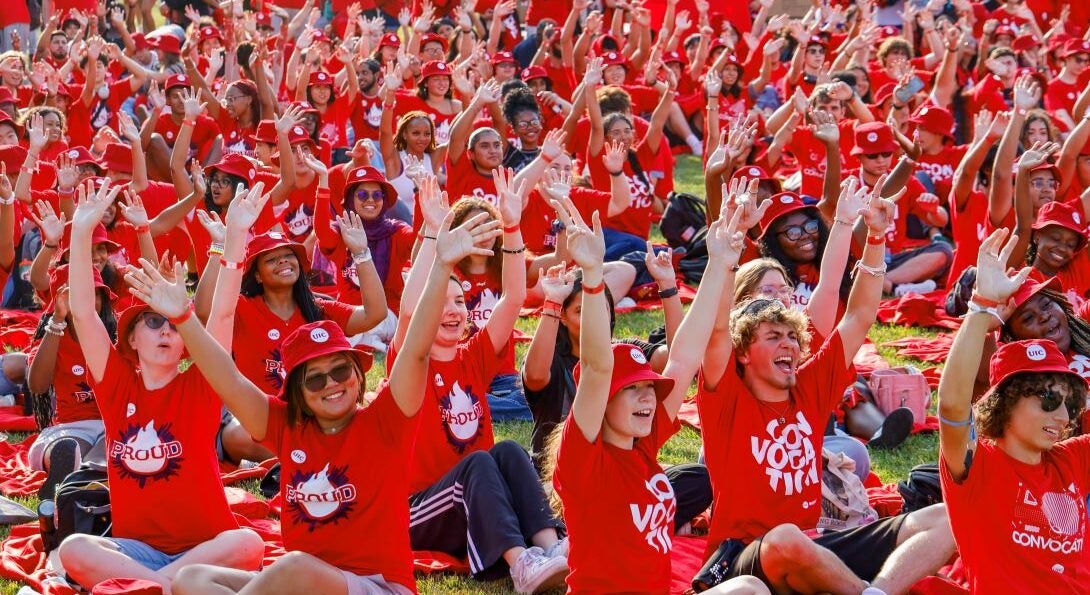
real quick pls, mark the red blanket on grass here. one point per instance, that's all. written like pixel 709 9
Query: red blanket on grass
pixel 12 419
pixel 918 310
pixel 17 328
pixel 935 350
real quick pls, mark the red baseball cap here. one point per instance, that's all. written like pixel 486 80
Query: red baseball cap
pixel 502 58
pixel 366 173
pixel 59 276
pixel 614 59
pixel 315 340
pixel 674 56
pixel 236 165
pixel 874 137
pixel 534 72
pixel 140 41
pixel 12 156
pixel 117 157
pixel 176 80
pixel 271 240
pixel 390 40
pixel 1031 288
pixel 1074 47
pixel 81 156
pixel 209 32
pixel 1033 355
pixel 1024 43
pixel 1004 30
pixel 629 367
pixel 166 43
pixel 883 93
pixel 756 172
pixel 815 40
pixel 320 77
pixel 264 133
pixel 934 119
pixel 886 32
pixel 434 38
pixel 783 203
pixel 434 68
pixel 298 134
pixel 1063 215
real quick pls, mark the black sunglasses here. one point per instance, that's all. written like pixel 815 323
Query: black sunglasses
pixel 882 155
pixel 795 232
pixel 156 321
pixel 1051 400
pixel 317 382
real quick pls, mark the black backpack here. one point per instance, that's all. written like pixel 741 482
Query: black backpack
pixel 685 216
pixel 82 506
pixel 922 488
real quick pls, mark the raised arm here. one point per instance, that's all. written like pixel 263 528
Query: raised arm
pixel 192 107
pixel 825 301
pixel 668 91
pixel 661 268
pixel 52 229
pixel 373 310
pixel 434 206
pixel 869 273
pixel 462 125
pixel 827 133
pixel 557 284
pixel 1023 207
pixel 591 80
pixel 1026 96
pixel 241 216
pixel 512 197
pixel 987 131
pixel 7 221
pixel 993 286
pixel 94 341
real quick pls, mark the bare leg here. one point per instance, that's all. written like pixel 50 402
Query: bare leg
pixel 619 277
pixel 236 548
pixel 916 269
pixel 91 560
pixel 14 366
pixel 201 579
pixel 739 585
pixel 794 563
pixel 511 555
pixel 238 444
pixel 924 544
pixel 545 538
pixel 295 573
pixel 158 159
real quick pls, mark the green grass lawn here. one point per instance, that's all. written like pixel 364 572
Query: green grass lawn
pixel 682 448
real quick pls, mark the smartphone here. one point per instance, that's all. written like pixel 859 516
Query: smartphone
pixel 904 94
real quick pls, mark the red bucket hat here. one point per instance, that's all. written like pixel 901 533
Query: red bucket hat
pixel 366 173
pixel 1046 166
pixel 1030 288
pixel 1024 43
pixel 12 156
pixel 6 119
pixel 98 236
pixel 315 340
pixel 125 323
pixel 874 137
pixel 783 203
pixel 272 240
pixel 320 78
pixel 534 72
pixel 934 119
pixel 264 133
pixel 1033 355
pixel 883 93
pixel 166 43
pixel 435 38
pixel 298 135
pixel 236 165
pixel 390 40
pixel 434 68
pixel 1063 215
pixel 630 366
pixel 209 32
pixel 117 157
pixel 756 172
pixel 1004 30
pixel 140 41
pixel 59 276
pixel 674 57
pixel 176 80
pixel 1074 47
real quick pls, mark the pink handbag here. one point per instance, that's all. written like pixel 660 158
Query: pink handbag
pixel 901 387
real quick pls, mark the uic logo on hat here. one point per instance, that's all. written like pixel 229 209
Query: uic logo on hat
pixel 298 456
pixel 786 200
pixel 276 235
pixel 1075 216
pixel 612 55
pixel 923 111
pixel 753 171
pixel 638 356
pixel 319 335
pixel 1035 352
pixel 298 130
pixel 871 137
pixel 73 154
pixel 441 66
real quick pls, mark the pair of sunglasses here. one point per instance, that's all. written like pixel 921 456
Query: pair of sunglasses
pixel 338 374
pixel 364 195
pixel 156 321
pixel 795 232
pixel 1051 401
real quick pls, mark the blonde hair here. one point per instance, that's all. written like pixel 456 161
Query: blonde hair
pixel 749 275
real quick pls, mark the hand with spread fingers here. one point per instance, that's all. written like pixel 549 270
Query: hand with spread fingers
pixel 453 245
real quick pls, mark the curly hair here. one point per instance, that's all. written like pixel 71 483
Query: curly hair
pixel 994 410
pixel 614 99
pixel 1079 328
pixel 520 100
pixel 770 247
pixel 28 114
pixel 747 317
pixel 399 137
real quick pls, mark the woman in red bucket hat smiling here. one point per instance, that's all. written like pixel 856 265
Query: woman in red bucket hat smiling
pixel 343 463
pixel 1014 482
pixel 168 505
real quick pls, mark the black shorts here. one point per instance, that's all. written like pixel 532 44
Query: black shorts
pixel 863 550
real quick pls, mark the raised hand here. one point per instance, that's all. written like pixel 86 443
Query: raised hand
pixel 292 116
pixel 1027 93
pixel 132 208
pixel 557 184
pixel 92 205
pixel 60 303
pixel 434 204
pixel 166 296
pixel 511 198
pixel 992 280
pixel 156 97
pixel 128 128
pixel 586 246
pixel 982 123
pixel 414 168
pixel 557 283
pixel 35 131
pixel 614 157
pixel 553 145
pixel 593 75
pixel 489 92
pixel 725 240
pixel 191 105
pixel 352 232
pixel 660 265
pixel 713 84
pixel 246 206
pixel 880 213
pixel 825 128
pixel 452 245
pixel 6 191
pixel 1037 154
pixel 928 202
pixel 853 198
pixel 211 222
pixel 196 175
pixel 51 226
pixel 316 165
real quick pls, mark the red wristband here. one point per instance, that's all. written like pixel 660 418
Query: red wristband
pixel 178 320
pixel 551 305
pixel 983 301
pixel 227 264
pixel 142 228
pixel 587 289
pixel 546 158
pixel 876 240
pixel 511 229
pixel 322 193
pixel 190 123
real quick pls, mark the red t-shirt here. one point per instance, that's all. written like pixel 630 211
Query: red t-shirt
pixel 334 123
pixel 366 116
pixel 631 523
pixel 236 138
pixel 897 239
pixel 538 216
pixel 409 101
pixel 348 281
pixel 336 487
pixel 204 134
pixel 83 121
pixel 482 293
pixel 71 383
pixel 780 465
pixel 258 333
pixel 297 217
pixel 161 446
pixel 176 241
pixel 969 227
pixel 941 167
pixel 810 154
pixel 807 279
pixel 1020 528
pixel 636 219
pixel 455 419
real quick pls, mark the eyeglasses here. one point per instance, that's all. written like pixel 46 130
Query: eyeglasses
pixel 338 374
pixel 1050 401
pixel 156 321
pixel 1042 184
pixel 1081 60
pixel 785 291
pixel 816 51
pixel 376 195
pixel 795 232
pixel 532 123
pixel 219 181
pixel 885 155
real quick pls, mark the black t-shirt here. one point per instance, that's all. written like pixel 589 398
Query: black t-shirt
pixel 516 158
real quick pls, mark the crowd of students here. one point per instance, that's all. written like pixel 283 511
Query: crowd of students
pixel 277 192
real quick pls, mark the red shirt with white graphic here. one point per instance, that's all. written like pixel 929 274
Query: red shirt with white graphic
pixel 810 154
pixel 631 523
pixel 482 292
pixel 538 216
pixel 124 233
pixel 897 239
pixel 1061 95
pixel 336 487
pixel 164 475
pixel 941 166
pixel 204 134
pixel 296 215
pixel 334 126
pixel 455 419
pixel 366 116
pixel 236 138
pixel 746 445
pixel 636 219
pixel 71 383
pixel 409 101
pixel 259 332
pixel 1020 528
pixel 463 179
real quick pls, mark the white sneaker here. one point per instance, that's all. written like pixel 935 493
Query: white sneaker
pixel 534 572
pixel 921 287
pixel 626 302
pixel 560 548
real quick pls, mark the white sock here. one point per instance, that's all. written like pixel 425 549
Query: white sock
pixel 873 591
pixel 694 143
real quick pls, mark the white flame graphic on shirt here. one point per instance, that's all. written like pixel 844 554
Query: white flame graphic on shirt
pixel 461 414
